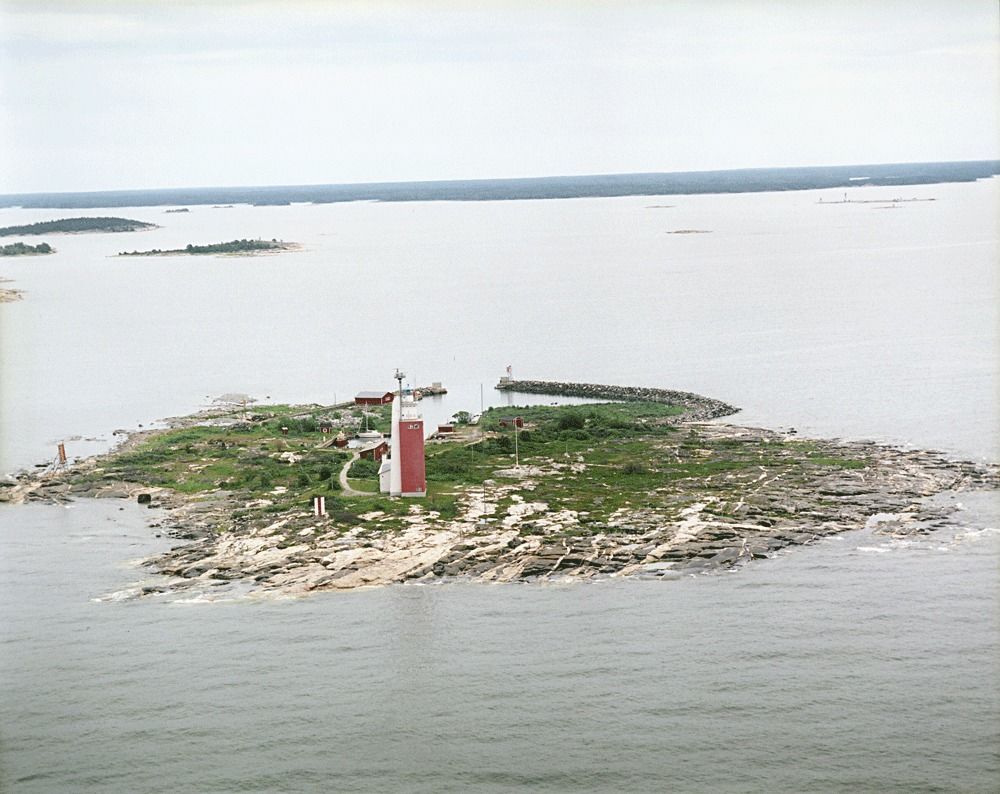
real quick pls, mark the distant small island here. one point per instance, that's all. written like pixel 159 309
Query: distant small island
pixel 232 247
pixel 23 249
pixel 75 225
pixel 181 209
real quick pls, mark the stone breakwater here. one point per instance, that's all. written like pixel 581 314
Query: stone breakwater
pixel 697 408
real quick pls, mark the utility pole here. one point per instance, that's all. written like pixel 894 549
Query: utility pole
pixel 517 460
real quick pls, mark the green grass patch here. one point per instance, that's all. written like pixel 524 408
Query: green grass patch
pixel 631 458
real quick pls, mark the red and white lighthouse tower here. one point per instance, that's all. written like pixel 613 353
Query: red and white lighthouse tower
pixel 406 461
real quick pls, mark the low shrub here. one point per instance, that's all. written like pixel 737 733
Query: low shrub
pixel 363 468
pixel 634 467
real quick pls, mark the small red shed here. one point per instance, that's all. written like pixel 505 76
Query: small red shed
pixel 511 421
pixel 375 451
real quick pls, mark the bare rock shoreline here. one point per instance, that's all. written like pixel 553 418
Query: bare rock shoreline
pixel 528 542
pixel 7 294
pixel 505 532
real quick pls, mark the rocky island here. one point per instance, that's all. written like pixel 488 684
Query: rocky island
pixel 77 225
pixel 641 486
pixel 8 295
pixel 242 247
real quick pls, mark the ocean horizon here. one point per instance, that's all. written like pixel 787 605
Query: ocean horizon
pixel 742 180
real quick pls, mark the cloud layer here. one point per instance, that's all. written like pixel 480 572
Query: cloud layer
pixel 146 94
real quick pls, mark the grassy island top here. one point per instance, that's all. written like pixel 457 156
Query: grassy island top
pixel 232 247
pixel 578 491
pixel 74 225
pixel 603 457
pixel 23 249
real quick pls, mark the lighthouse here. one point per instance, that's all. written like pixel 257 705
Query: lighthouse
pixel 404 475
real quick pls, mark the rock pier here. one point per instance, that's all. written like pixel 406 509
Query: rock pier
pixel 697 408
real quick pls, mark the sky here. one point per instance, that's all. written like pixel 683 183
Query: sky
pixel 108 94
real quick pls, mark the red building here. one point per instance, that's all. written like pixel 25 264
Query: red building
pixel 404 473
pixel 413 481
pixel 375 451
pixel 373 398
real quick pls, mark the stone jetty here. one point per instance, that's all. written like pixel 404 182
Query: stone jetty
pixel 697 408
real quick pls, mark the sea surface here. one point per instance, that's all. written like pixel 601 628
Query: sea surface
pixel 859 663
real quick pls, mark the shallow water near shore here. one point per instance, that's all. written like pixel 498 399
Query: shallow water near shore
pixel 828 668
pixel 858 663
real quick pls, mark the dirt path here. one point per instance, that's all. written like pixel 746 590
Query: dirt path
pixel 345 487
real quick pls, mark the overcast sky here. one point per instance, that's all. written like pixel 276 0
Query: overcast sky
pixel 107 94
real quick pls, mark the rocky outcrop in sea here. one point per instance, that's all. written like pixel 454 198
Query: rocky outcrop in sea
pixel 505 532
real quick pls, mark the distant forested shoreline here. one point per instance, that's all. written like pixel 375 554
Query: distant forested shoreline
pixel 747 180
pixel 74 225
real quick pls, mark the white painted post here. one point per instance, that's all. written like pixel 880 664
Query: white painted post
pixel 319 505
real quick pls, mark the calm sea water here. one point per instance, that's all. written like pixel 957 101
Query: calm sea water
pixel 849 319
pixel 860 663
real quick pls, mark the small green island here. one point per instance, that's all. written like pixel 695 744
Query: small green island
pixel 232 247
pixel 23 249
pixel 650 486
pixel 78 225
